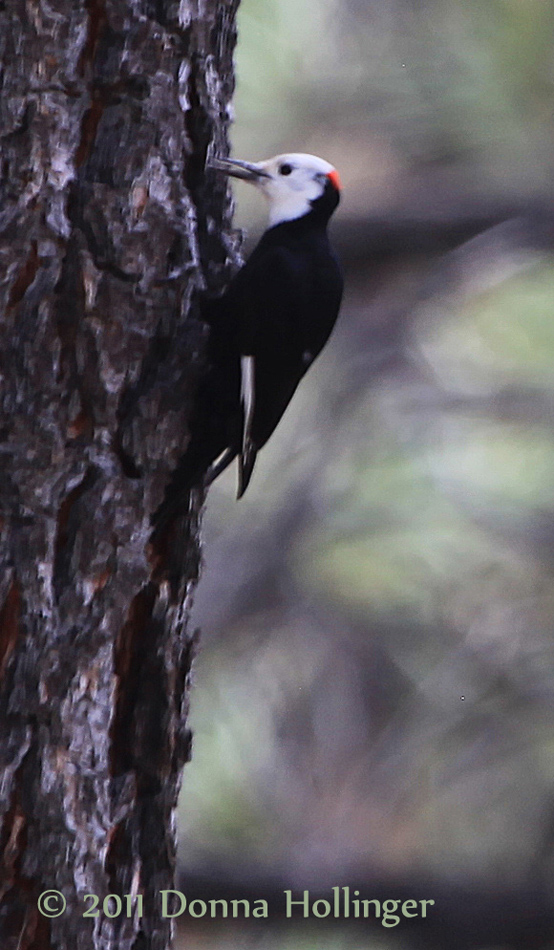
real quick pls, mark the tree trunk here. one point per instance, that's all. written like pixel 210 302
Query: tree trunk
pixel 109 230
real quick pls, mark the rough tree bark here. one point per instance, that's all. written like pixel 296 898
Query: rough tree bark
pixel 109 230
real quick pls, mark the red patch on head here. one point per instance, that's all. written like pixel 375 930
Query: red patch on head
pixel 334 179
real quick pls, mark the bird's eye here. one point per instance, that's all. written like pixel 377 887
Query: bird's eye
pixel 285 169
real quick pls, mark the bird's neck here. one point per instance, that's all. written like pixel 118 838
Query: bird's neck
pixel 299 208
pixel 291 209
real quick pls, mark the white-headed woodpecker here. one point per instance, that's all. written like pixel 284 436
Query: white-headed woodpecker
pixel 272 321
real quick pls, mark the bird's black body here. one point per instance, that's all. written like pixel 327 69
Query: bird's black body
pixel 279 309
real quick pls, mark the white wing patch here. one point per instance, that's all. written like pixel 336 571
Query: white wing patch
pixel 247 383
pixel 247 455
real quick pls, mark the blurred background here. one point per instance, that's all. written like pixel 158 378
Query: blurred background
pixel 374 692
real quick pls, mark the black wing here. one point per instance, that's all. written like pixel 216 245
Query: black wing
pixel 286 303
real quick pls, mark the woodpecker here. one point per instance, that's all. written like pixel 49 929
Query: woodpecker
pixel 273 320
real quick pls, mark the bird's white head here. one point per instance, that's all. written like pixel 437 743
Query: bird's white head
pixel 291 182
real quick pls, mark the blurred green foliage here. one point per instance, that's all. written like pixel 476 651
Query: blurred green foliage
pixel 377 678
pixel 444 81
pixel 500 336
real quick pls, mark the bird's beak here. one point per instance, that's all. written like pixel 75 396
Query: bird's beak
pixel 248 171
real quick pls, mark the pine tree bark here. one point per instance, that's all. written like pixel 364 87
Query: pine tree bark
pixel 110 228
